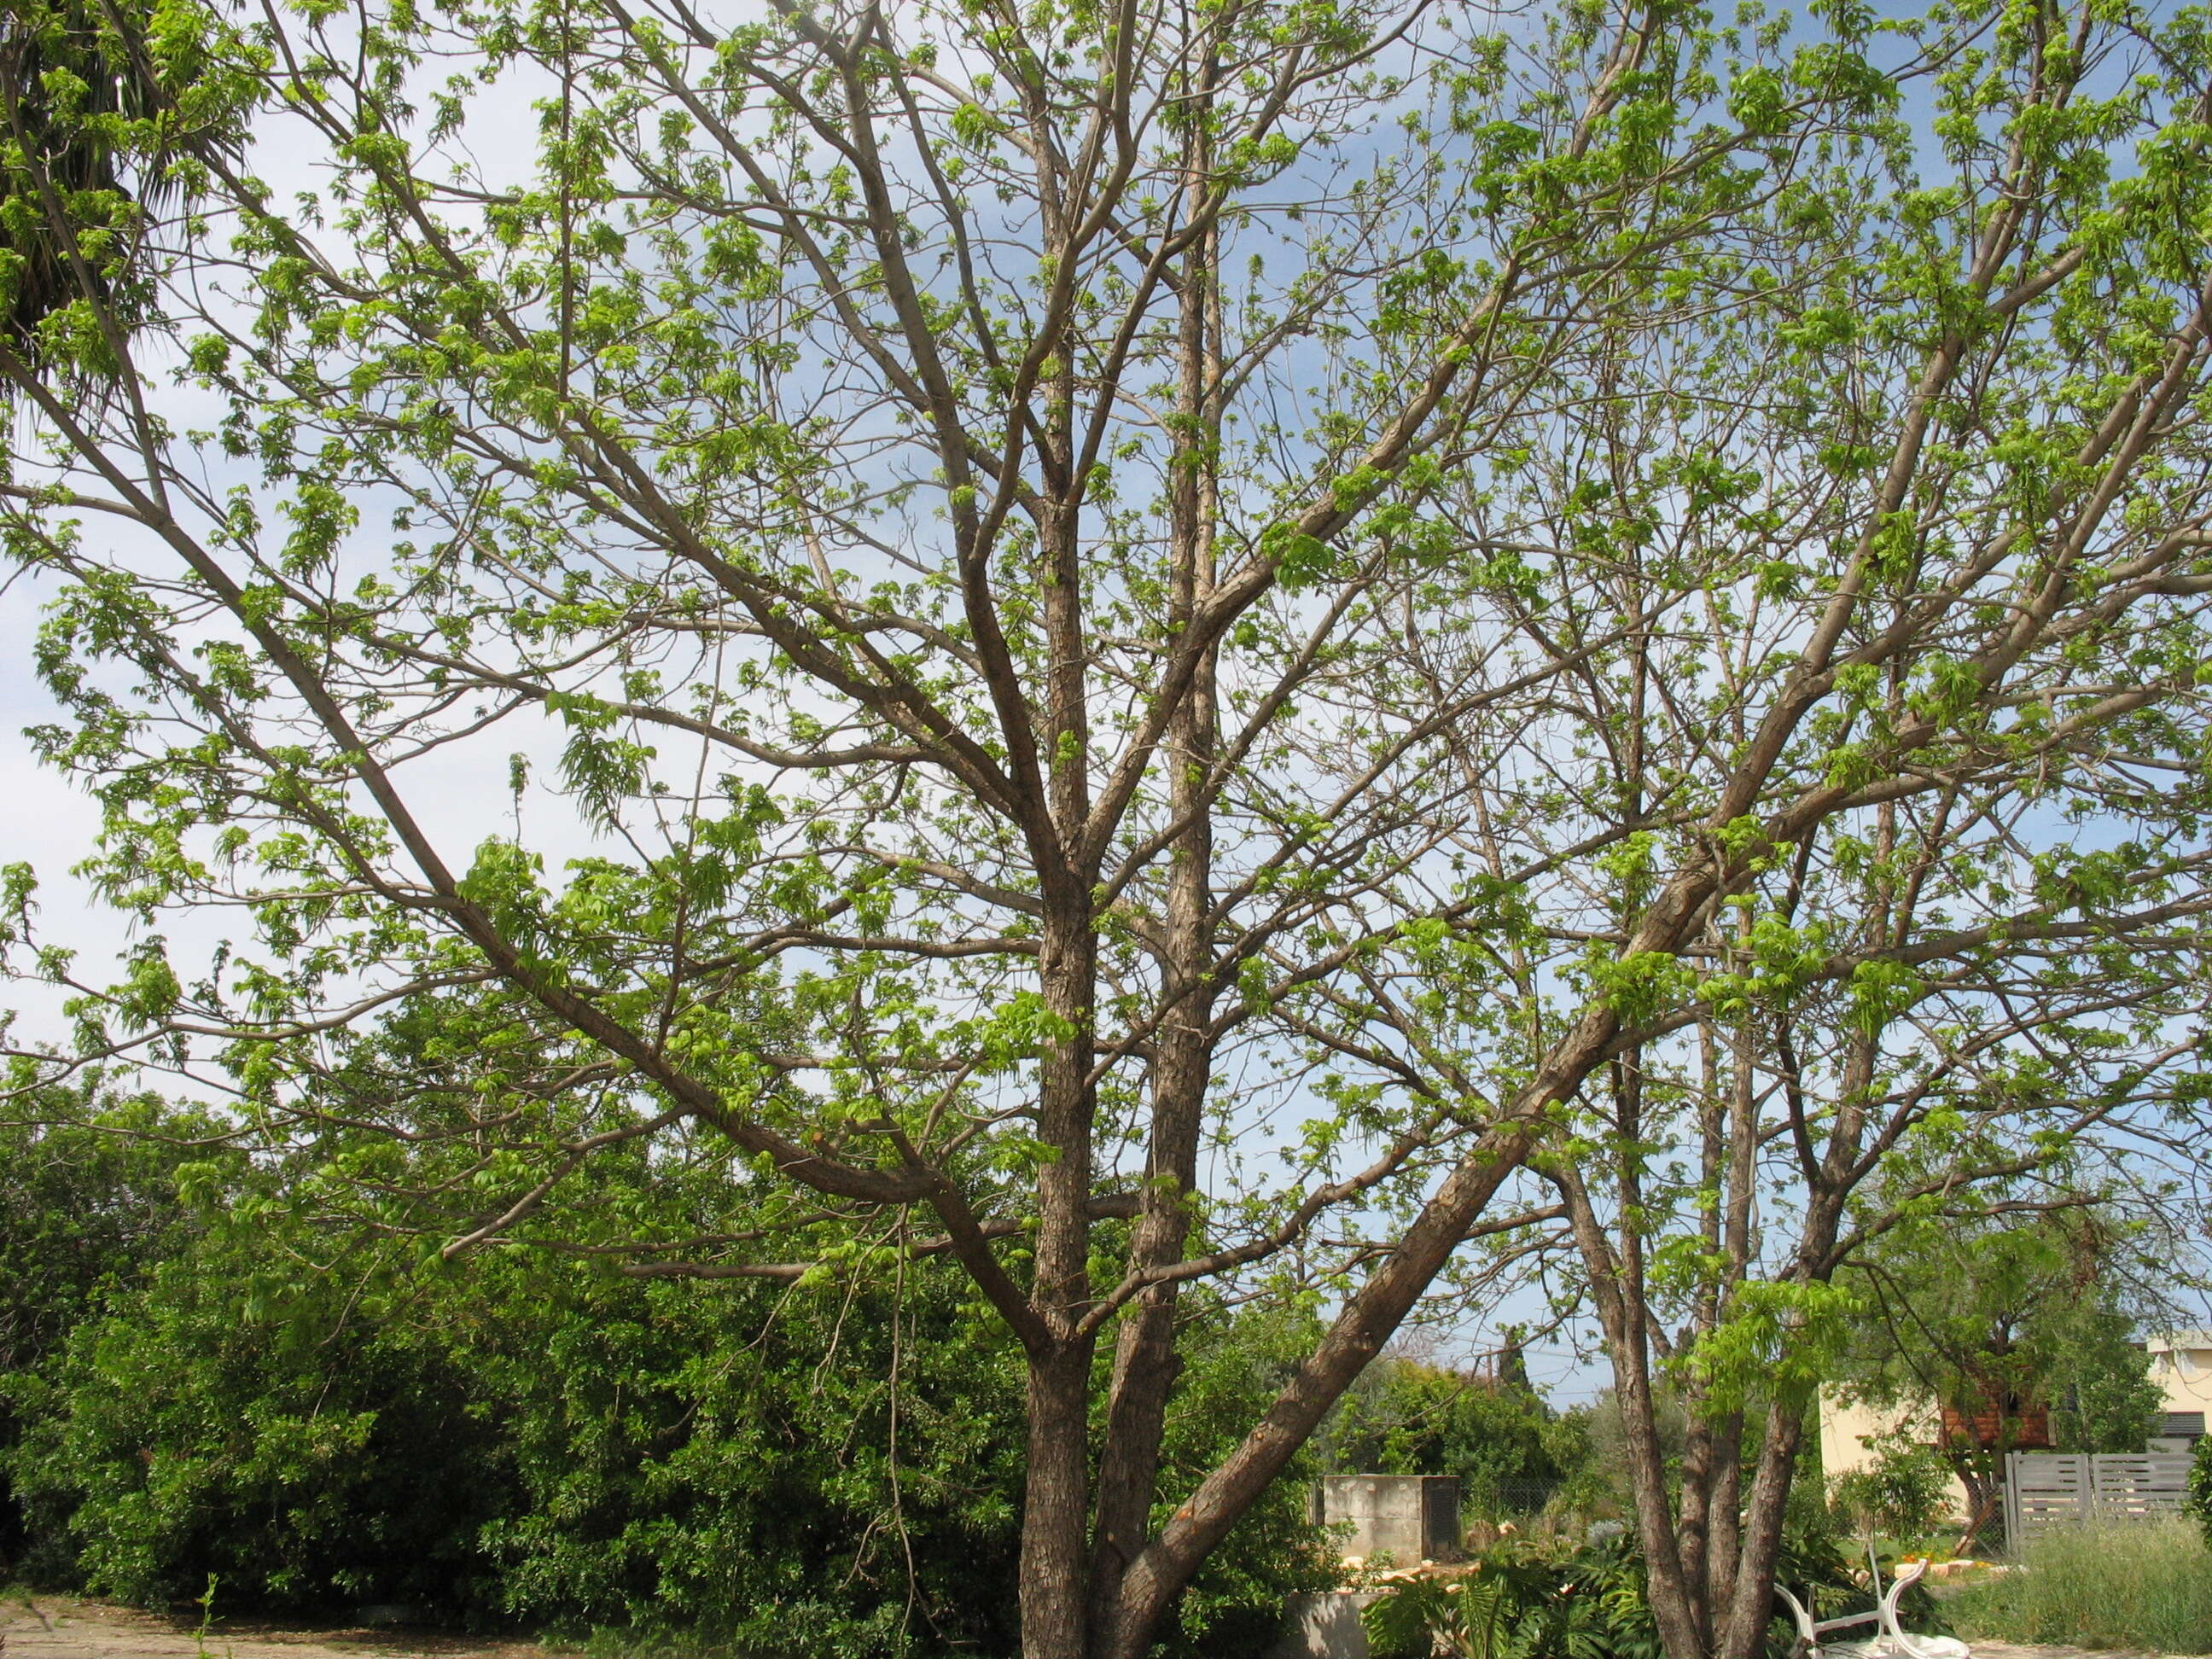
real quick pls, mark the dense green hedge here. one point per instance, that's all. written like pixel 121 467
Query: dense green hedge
pixel 228 1385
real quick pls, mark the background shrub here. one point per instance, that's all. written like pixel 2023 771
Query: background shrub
pixel 1901 1493
pixel 1551 1600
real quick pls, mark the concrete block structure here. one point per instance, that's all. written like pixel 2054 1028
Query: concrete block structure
pixel 1414 1517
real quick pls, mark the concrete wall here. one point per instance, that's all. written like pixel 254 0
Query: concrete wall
pixel 1414 1517
pixel 1325 1626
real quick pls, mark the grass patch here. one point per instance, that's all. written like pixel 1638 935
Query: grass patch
pixel 2148 1584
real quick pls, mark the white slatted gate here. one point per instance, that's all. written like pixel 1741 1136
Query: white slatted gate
pixel 2048 1489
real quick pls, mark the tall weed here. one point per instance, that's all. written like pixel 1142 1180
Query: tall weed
pixel 2139 1584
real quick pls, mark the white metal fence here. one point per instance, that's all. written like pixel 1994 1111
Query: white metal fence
pixel 2047 1489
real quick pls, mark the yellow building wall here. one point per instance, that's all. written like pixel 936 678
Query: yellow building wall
pixel 2181 1365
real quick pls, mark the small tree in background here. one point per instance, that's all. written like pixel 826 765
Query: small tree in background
pixel 1902 1492
pixel 2015 1333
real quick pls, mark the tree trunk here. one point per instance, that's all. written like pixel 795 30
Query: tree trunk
pixel 1693 1522
pixel 1752 1601
pixel 1146 1363
pixel 1723 1521
pixel 1621 1312
pixel 1055 1504
pixel 1056 1500
pixel 1985 1491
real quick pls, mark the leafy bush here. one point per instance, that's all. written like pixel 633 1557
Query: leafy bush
pixel 1470 1617
pixel 1406 1417
pixel 311 1456
pixel 2199 1502
pixel 818 1471
pixel 1900 1494
pixel 2145 1584
pixel 88 1209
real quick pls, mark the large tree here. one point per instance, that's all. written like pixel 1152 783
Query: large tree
pixel 1863 842
pixel 1153 644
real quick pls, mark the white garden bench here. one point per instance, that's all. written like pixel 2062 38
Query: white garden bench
pixel 1891 1640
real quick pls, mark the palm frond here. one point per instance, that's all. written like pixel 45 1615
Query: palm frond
pixel 90 125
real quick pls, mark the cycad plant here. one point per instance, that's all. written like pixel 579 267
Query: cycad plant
pixel 1420 1616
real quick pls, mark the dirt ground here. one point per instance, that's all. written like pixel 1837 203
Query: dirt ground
pixel 56 1628
pixel 52 1627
